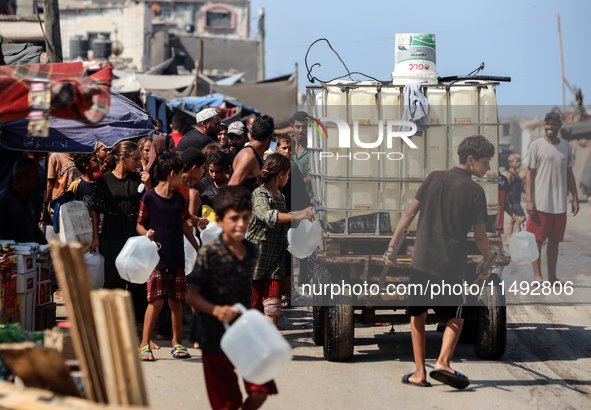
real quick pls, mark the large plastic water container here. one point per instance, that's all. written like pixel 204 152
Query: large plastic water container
pixel 190 255
pixel 524 248
pixel 74 223
pixel 96 268
pixel 304 239
pixel 211 232
pixel 137 259
pixel 255 347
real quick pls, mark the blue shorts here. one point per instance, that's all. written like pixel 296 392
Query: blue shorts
pixel 517 208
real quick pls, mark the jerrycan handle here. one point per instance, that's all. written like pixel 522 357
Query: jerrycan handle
pixel 156 244
pixel 237 306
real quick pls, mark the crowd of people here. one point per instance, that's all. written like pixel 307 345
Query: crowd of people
pixel 160 186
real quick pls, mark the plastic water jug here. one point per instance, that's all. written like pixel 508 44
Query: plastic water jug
pixel 74 223
pixel 304 239
pixel 96 268
pixel 255 347
pixel 190 255
pixel 211 232
pixel 523 248
pixel 137 259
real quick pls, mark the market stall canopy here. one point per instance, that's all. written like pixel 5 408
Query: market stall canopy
pixel 78 92
pixel 124 120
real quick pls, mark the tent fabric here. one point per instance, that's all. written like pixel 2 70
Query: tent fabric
pixel 274 98
pixel 125 120
pixel 196 104
pixel 168 87
pixel 23 53
pixel 77 92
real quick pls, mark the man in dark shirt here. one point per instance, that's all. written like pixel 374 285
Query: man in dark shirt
pixel 450 203
pixel 205 132
pixel 18 220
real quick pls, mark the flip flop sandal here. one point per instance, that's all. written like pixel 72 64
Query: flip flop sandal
pixel 182 350
pixel 146 351
pixel 456 380
pixel 406 380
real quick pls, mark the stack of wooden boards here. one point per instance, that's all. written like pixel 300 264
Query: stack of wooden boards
pixel 103 332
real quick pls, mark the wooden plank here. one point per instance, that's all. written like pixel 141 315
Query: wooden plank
pixel 39 367
pixel 79 311
pixel 129 345
pixel 27 398
pixel 104 339
pixel 119 347
pixel 81 278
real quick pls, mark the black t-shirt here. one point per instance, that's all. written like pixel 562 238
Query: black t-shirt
pixel 166 216
pixel 295 193
pixel 207 190
pixel 450 204
pixel 194 138
pixel 84 192
pixel 18 220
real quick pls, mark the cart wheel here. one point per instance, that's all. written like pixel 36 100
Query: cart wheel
pixel 318 325
pixel 491 326
pixel 339 333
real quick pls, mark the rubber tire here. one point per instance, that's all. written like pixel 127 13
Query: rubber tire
pixel 339 333
pixel 318 325
pixel 491 326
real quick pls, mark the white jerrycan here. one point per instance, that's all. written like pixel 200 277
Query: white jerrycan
pixel 190 255
pixel 74 223
pixel 255 347
pixel 303 240
pixel 523 248
pixel 211 232
pixel 137 259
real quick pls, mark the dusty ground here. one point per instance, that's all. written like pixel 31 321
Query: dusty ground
pixel 546 364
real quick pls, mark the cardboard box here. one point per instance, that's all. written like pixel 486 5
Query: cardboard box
pixel 25 303
pixel 45 317
pixel 44 294
pixel 25 282
pixel 26 263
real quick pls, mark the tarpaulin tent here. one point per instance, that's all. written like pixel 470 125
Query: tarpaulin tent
pixel 275 97
pixel 123 121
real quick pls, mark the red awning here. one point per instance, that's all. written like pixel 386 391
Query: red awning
pixel 77 92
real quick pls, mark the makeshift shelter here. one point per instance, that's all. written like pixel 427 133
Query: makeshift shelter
pixel 124 120
pixel 276 97
pixel 231 109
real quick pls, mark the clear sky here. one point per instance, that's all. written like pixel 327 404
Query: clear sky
pixel 515 38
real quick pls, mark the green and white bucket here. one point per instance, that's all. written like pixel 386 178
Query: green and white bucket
pixel 415 58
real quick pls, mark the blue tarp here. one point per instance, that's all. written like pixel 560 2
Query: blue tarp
pixel 196 104
pixel 125 120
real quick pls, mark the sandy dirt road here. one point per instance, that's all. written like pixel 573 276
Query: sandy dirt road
pixel 547 363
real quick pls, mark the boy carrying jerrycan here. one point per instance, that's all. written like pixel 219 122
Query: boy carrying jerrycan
pixel 223 277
